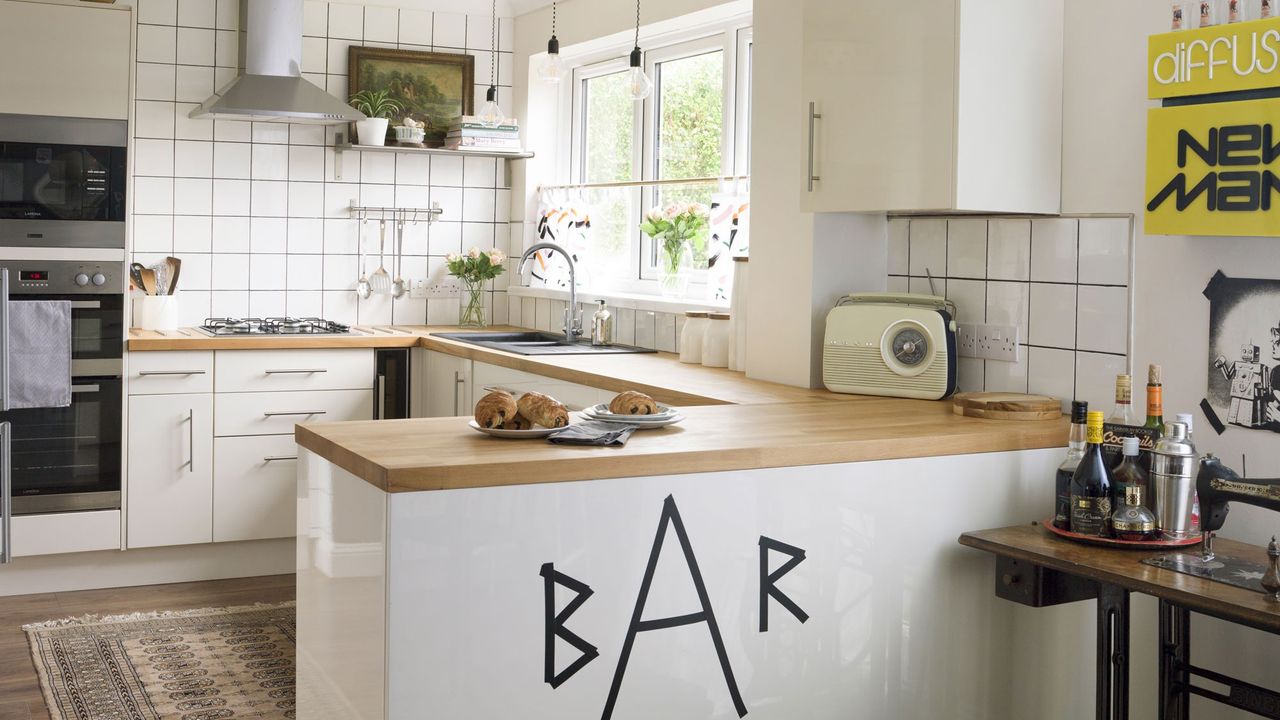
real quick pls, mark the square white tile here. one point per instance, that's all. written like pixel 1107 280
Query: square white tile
pixel 1096 379
pixel 346 21
pixel 378 168
pixel 1052 372
pixel 193 83
pixel 155 81
pixel 306 200
pixel 232 130
pixel 153 233
pixel 230 272
pixel 304 272
pixel 415 27
pixel 226 49
pixel 306 163
pixel 1008 303
pixel 153 157
pixel 228 303
pixel 152 119
pixel 340 271
pixel 478 205
pixel 449 30
pixel 380 24
pixel 413 169
pixel 899 229
pixel 343 236
pixel 1104 250
pixel 307 135
pixel 195 304
pixel 270 162
pixel 479 172
pixel 897 284
pixel 929 247
pixel 450 200
pixel 232 160
pixel 152 196
pixel 304 303
pixel 1009 250
pixel 341 307
pixel 444 238
pixel 231 234
pixel 646 324
pixel 270 198
pixel 267 272
pixel 186 128
pixel 193 159
pixel 230 197
pixel 315 55
pixel 193 196
pixel 315 18
pixel 924 286
pixel 197 13
pixel 158 12
pixel 1007 376
pixel 1053 249
pixel 269 303
pixel 228 15
pixel 624 326
pixel 970 297
pixel 1053 315
pixel 197 274
pixel 1103 319
pixel 270 132
pixel 337 52
pixel 446 170
pixel 970 374
pixel 192 234
pixel 157 44
pixel 967 248
pixel 664 332
pixel 306 235
pixel 268 235
pixel 195 45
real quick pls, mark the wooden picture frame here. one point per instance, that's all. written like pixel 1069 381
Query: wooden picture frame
pixel 433 87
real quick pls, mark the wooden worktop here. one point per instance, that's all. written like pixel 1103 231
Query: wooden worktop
pixel 444 453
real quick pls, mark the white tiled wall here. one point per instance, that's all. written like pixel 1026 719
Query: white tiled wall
pixel 1064 281
pixel 252 208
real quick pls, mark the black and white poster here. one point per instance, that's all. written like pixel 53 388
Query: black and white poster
pixel 1244 353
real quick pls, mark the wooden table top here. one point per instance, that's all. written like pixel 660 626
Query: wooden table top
pixel 1124 568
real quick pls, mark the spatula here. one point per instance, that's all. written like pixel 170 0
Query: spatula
pixel 380 280
pixel 175 269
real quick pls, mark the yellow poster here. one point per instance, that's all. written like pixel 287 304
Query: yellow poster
pixel 1222 58
pixel 1214 169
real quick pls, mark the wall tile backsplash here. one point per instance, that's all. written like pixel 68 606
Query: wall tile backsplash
pixel 1064 281
pixel 252 208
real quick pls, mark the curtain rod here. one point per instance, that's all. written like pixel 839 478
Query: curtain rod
pixel 646 183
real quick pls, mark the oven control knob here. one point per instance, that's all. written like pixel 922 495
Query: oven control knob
pixel 82 279
pixel 99 279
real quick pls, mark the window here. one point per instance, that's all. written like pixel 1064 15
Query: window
pixel 694 125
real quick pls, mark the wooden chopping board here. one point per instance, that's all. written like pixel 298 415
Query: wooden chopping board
pixel 1006 406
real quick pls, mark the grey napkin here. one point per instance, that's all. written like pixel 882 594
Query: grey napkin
pixel 39 354
pixel 594 432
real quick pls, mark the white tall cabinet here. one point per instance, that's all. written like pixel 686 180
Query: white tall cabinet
pixel 932 105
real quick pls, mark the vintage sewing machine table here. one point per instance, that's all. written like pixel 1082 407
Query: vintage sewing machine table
pixel 1037 569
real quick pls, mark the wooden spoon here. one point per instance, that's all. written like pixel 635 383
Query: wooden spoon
pixel 148 281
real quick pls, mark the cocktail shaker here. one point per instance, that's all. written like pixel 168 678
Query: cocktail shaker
pixel 1173 481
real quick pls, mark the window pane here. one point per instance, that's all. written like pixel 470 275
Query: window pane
pixel 690 124
pixel 607 156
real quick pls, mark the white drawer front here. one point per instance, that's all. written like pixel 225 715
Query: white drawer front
pixel 574 396
pixel 272 370
pixel 276 413
pixel 168 372
pixel 254 487
pixel 66 533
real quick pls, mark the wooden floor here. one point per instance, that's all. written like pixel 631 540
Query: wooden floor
pixel 20 697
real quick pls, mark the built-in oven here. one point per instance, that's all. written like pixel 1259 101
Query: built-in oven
pixel 69 458
pixel 62 182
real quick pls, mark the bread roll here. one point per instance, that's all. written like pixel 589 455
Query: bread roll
pixel 517 422
pixel 633 403
pixel 495 409
pixel 543 410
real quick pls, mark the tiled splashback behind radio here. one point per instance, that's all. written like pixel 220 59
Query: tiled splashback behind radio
pixel 1064 281
pixel 254 211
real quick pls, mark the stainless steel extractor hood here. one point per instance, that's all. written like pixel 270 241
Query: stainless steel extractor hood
pixel 272 89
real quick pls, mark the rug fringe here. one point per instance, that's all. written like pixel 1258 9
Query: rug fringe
pixel 154 615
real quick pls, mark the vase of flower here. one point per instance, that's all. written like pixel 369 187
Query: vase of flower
pixel 681 233
pixel 474 270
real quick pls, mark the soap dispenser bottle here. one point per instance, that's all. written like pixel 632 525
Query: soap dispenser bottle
pixel 602 326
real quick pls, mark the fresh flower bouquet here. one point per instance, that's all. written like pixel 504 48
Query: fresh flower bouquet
pixel 474 269
pixel 681 231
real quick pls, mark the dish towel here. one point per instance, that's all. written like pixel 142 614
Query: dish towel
pixel 39 354
pixel 594 432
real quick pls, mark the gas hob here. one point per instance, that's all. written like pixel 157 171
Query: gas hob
pixel 273 326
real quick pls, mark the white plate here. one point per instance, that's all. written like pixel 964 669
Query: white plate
pixel 662 421
pixel 601 412
pixel 530 434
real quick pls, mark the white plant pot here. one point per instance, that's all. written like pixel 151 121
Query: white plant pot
pixel 372 131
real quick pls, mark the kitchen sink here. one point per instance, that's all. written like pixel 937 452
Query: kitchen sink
pixel 538 343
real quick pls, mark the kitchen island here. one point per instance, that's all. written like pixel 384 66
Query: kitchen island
pixel 783 559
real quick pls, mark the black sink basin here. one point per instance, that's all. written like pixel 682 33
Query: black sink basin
pixel 538 343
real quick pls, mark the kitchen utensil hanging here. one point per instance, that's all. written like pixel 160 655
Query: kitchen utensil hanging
pixel 399 287
pixel 363 289
pixel 381 280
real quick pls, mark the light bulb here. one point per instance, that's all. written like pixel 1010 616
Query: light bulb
pixel 490 114
pixel 552 67
pixel 638 84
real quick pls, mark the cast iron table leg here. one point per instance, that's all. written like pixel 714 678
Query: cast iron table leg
pixel 1113 653
pixel 1175 656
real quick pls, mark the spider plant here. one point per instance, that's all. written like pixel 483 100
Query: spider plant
pixel 376 103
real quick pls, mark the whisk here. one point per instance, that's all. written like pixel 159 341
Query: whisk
pixel 380 280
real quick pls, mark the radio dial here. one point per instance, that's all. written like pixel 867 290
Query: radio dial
pixel 99 279
pixel 82 279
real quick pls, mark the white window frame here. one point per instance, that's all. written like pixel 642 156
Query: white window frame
pixel 733 38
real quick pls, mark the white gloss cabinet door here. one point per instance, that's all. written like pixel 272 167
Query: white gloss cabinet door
pixel 64 60
pixel 170 464
pixel 447 391
pixel 254 487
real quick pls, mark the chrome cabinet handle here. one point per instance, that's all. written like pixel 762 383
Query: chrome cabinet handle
pixel 85 389
pixel 814 116
pixel 278 458
pixel 191 440
pixel 305 371
pixel 145 373
pixel 458 382
pixel 6 495
pixel 298 412
pixel 86 305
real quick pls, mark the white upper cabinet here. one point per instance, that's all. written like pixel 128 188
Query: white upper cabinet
pixel 949 105
pixel 64 60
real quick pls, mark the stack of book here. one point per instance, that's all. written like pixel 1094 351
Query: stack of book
pixel 468 133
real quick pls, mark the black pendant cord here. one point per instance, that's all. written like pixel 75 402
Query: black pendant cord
pixel 637 24
pixel 493 48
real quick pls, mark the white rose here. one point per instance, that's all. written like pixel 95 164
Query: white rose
pixel 474 253
pixel 496 257
pixel 671 212
pixel 452 257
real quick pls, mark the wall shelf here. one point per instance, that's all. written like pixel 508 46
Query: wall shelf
pixel 343 146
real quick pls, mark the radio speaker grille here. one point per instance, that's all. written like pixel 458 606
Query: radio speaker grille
pixel 862 370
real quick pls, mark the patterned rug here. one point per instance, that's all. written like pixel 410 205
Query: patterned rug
pixel 211 664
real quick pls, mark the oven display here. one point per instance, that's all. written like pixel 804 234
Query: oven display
pixel 33 275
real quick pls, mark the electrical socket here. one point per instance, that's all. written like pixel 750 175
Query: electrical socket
pixel 998 342
pixel 426 289
pixel 967 340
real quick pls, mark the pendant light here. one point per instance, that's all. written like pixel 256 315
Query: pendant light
pixel 490 114
pixel 638 83
pixel 552 67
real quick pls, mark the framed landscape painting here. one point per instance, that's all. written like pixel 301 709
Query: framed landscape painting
pixel 433 88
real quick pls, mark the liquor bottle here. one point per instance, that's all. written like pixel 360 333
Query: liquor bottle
pixel 1123 412
pixel 1091 485
pixel 1062 479
pixel 1130 471
pixel 1155 399
pixel 1132 520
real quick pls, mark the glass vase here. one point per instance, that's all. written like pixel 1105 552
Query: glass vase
pixel 675 266
pixel 471 313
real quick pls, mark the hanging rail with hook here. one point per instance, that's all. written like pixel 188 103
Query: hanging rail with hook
pixel 395 214
pixel 646 183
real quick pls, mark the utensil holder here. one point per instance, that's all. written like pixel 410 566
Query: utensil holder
pixel 155 312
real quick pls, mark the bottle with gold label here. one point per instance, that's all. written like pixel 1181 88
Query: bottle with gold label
pixel 1155 399
pixel 1091 485
pixel 1132 520
pixel 1123 412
